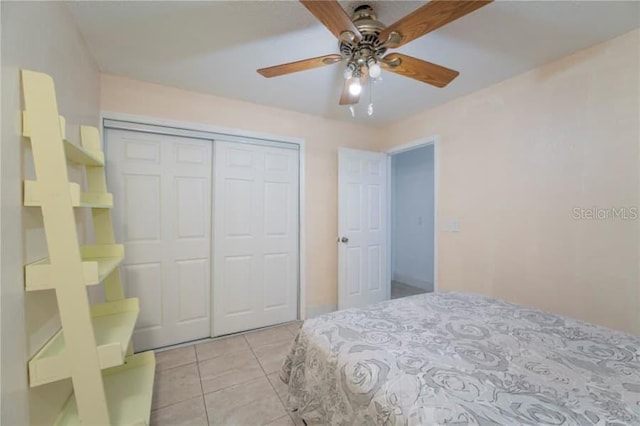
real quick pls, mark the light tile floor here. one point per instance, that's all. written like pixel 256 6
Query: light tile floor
pixel 399 289
pixel 228 381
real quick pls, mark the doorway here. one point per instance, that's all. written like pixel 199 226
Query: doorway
pixel 412 217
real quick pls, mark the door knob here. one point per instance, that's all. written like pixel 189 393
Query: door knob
pixel 344 240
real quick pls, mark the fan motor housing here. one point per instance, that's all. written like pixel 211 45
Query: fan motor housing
pixel 366 20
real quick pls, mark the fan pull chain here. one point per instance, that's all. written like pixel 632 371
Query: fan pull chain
pixel 370 107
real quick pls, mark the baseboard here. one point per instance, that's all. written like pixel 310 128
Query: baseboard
pixel 317 310
pixel 425 285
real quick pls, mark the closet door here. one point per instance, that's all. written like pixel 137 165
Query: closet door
pixel 256 236
pixel 162 213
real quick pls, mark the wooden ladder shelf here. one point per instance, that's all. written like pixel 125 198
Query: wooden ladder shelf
pixel 111 385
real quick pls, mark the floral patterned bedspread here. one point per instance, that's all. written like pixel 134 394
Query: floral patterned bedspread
pixel 455 358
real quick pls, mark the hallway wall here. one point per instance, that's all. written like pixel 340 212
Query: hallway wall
pixel 412 245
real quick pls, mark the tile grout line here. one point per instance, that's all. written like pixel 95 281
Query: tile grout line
pixel 181 401
pixel 266 376
pixel 158 353
pixel 230 353
pixel 226 387
pixel 174 403
pixel 257 359
pixel 204 403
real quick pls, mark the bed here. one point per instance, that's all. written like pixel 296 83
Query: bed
pixel 457 358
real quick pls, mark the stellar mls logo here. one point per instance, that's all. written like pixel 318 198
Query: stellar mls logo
pixel 611 213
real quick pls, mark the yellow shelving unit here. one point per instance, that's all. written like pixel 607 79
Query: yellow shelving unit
pixel 126 389
pixel 98 261
pixel 74 153
pixel 93 348
pixel 96 200
pixel 113 324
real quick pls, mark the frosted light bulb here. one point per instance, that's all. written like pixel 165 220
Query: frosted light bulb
pixel 355 87
pixel 374 70
pixel 347 73
pixel 353 112
pixel 370 109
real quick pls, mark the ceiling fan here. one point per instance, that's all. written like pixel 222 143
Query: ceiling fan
pixel 363 42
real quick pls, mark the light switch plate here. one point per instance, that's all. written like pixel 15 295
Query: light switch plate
pixel 450 225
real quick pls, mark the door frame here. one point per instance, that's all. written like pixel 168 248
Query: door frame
pixel 418 143
pixel 214 132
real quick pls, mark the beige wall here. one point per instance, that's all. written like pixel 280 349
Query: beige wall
pixel 42 37
pixel 322 139
pixel 516 158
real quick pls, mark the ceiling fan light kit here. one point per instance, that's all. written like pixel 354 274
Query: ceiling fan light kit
pixel 363 42
pixel 374 69
pixel 355 87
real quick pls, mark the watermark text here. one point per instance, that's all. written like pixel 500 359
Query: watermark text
pixel 609 213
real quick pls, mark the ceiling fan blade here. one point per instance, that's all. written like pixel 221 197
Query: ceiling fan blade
pixel 346 98
pixel 332 16
pixel 430 17
pixel 420 70
pixel 303 65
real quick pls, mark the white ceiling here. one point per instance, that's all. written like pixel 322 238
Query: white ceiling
pixel 216 47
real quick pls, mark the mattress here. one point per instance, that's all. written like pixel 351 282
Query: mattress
pixel 457 358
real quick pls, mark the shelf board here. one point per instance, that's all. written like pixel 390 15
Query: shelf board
pixel 79 155
pixel 98 261
pixel 74 153
pixel 129 390
pixel 113 324
pixel 33 196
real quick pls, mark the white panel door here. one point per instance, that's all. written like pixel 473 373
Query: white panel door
pixel 162 214
pixel 362 225
pixel 256 252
